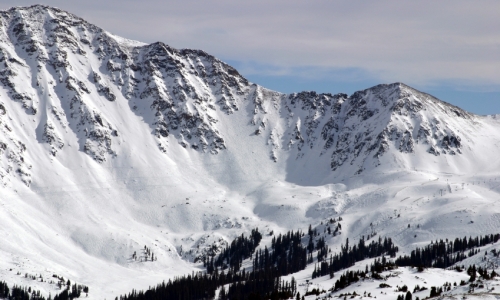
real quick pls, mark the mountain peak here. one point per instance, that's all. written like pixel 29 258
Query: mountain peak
pixel 403 97
pixel 77 83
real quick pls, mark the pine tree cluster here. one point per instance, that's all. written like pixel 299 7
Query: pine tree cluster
pixel 348 278
pixel 472 271
pixel 443 254
pixel 262 285
pixel 286 256
pixel 350 255
pixel 26 293
pixel 18 292
pixel 240 249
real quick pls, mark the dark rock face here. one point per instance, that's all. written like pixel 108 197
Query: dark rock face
pixel 51 137
pixel 363 127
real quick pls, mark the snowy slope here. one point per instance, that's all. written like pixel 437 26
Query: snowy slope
pixel 108 145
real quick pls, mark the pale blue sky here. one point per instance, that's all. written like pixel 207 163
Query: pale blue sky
pixel 448 48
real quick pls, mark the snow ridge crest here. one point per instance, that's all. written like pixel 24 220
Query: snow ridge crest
pixel 62 71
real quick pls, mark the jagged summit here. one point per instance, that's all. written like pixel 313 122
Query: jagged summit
pixel 400 94
pixel 83 86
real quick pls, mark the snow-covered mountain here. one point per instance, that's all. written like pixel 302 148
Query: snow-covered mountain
pixel 108 144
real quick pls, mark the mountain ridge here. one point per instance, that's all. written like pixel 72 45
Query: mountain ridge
pixel 185 94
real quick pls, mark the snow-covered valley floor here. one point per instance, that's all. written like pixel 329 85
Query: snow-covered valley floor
pixel 93 244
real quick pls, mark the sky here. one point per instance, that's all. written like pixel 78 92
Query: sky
pixel 447 48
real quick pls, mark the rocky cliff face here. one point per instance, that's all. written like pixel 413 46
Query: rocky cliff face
pixel 72 78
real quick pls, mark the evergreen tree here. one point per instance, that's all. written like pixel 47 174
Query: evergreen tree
pixel 408 296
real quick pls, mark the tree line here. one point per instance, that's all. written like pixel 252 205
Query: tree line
pixel 27 293
pixel 348 256
pixel 240 249
pixel 286 255
pixel 443 254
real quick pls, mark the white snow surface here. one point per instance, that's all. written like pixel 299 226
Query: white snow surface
pixel 108 145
